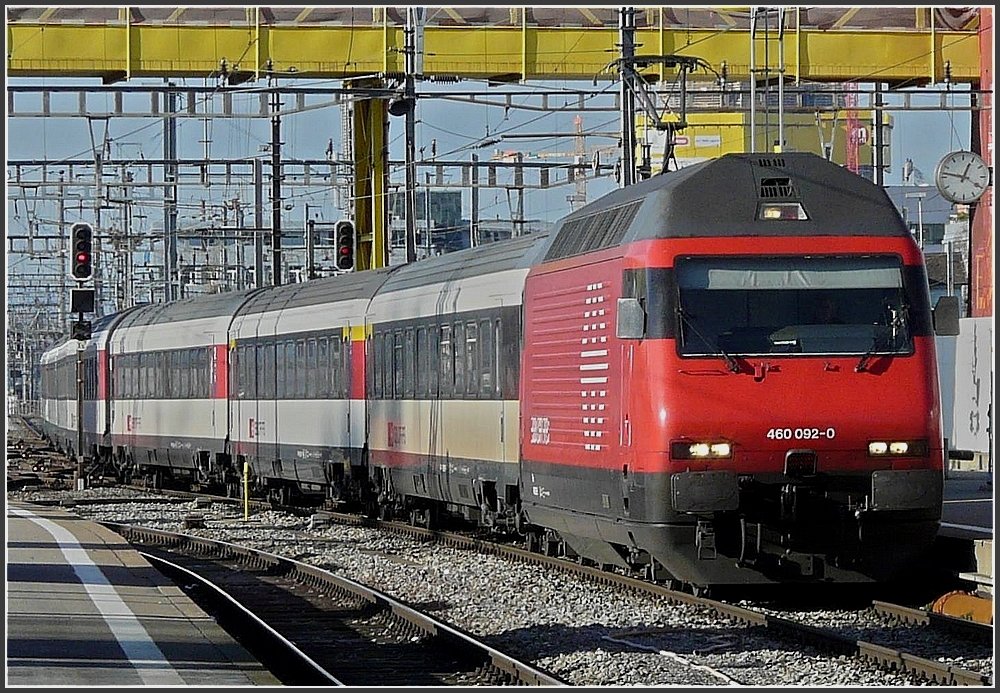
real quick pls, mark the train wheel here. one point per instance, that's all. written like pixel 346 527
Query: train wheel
pixel 533 542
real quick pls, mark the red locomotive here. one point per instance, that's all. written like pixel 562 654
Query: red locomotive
pixel 720 375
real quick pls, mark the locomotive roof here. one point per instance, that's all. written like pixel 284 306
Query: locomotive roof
pixel 723 196
pixel 315 291
pixel 516 253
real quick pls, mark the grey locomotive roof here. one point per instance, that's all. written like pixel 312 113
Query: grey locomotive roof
pixel 721 197
pixel 340 288
pixel 205 306
pixel 516 253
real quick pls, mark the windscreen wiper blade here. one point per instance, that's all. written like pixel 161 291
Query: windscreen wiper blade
pixel 731 363
pixel 872 350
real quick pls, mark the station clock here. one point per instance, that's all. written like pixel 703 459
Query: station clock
pixel 962 176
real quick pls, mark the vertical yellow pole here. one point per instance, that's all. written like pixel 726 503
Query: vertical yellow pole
pixel 246 490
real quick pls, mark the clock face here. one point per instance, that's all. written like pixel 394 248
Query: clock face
pixel 962 176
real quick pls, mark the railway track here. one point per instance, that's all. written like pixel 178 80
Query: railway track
pixel 788 630
pixel 341 631
pixel 878 651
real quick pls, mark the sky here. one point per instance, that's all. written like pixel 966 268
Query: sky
pixel 454 128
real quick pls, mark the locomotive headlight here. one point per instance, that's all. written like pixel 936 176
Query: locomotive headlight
pixel 878 448
pixel 700 450
pixel 720 449
pixel 686 450
pixel 898 448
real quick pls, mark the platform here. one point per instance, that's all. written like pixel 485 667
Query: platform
pixel 966 534
pixel 85 609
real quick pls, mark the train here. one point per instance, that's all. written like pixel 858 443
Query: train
pixel 720 375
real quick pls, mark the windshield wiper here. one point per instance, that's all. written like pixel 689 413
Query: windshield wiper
pixel 731 363
pixel 867 356
pixel 897 322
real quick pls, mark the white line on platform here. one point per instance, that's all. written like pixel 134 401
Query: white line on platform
pixel 971 528
pixel 142 652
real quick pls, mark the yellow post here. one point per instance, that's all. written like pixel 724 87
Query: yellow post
pixel 246 490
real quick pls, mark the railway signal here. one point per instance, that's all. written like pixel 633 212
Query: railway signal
pixel 345 244
pixel 82 248
pixel 81 330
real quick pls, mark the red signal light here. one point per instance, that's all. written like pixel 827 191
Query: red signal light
pixel 345 244
pixel 82 235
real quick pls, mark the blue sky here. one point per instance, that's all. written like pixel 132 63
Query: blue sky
pixel 922 136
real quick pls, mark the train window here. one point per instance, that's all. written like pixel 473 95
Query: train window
pixel 235 380
pixel 143 368
pixel 492 381
pixel 792 305
pixel 323 369
pixel 204 391
pixel 409 363
pixel 338 363
pixel 301 368
pixel 263 374
pixel 196 378
pixel 185 368
pixel 187 372
pixel 312 369
pixel 376 365
pixel 459 352
pixel 253 363
pixel 472 369
pixel 163 374
pixel 280 371
pixel 290 370
pixel 423 362
pixel 446 370
pixel 133 375
pixel 433 356
pixel 194 384
pixel 398 366
pixel 387 365
pixel 212 357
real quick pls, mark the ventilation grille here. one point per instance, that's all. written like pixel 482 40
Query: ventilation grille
pixel 776 187
pixel 594 232
pixel 771 162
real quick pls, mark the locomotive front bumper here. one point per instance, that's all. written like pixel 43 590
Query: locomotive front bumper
pixel 913 489
pixel 718 491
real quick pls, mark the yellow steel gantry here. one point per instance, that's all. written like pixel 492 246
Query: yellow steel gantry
pixel 894 45
pixel 891 45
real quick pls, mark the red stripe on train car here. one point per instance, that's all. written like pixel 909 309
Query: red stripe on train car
pixel 221 390
pixel 102 375
pixel 357 369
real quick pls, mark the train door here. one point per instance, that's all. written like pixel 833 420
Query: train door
pixel 282 351
pixel 242 367
pixel 625 424
pixel 347 362
pixel 490 390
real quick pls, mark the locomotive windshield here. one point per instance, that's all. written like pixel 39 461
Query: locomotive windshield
pixel 792 305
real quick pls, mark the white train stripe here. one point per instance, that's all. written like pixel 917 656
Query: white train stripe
pixel 588 381
pixel 591 354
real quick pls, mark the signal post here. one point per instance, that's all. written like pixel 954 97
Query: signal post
pixel 82 301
